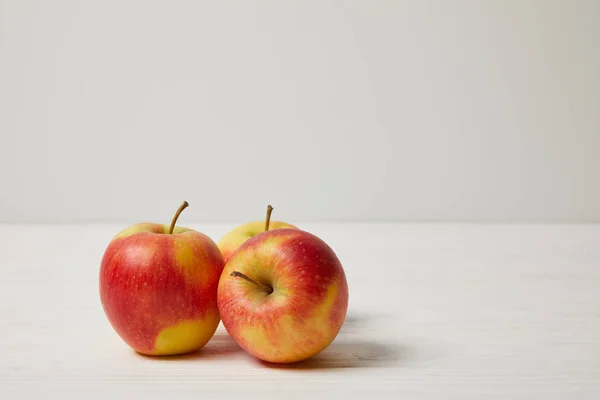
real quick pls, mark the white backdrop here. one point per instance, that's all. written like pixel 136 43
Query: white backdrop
pixel 329 110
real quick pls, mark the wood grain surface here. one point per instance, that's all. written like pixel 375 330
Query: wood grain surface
pixel 437 311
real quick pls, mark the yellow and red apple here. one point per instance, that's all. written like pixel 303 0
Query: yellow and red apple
pixel 158 287
pixel 238 235
pixel 283 295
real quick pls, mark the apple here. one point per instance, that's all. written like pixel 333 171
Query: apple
pixel 158 287
pixel 238 235
pixel 283 296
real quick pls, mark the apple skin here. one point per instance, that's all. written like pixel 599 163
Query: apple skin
pixel 238 235
pixel 159 290
pixel 307 307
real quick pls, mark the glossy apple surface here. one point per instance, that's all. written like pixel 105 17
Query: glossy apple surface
pixel 159 290
pixel 306 308
pixel 240 234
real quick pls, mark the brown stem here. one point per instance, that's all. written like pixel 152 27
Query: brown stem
pixel 179 210
pixel 268 219
pixel 266 288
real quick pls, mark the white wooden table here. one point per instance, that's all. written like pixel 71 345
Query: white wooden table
pixel 436 312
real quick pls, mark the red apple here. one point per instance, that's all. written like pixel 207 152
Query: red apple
pixel 158 287
pixel 283 295
pixel 238 235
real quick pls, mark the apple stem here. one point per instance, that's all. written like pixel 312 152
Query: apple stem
pixel 179 210
pixel 266 288
pixel 268 219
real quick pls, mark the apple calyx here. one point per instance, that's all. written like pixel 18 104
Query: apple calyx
pixel 268 219
pixel 182 207
pixel 266 288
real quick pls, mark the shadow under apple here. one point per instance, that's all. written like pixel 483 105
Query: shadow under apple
pixel 349 354
pixel 219 346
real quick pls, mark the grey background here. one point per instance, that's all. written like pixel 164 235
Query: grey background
pixel 330 110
